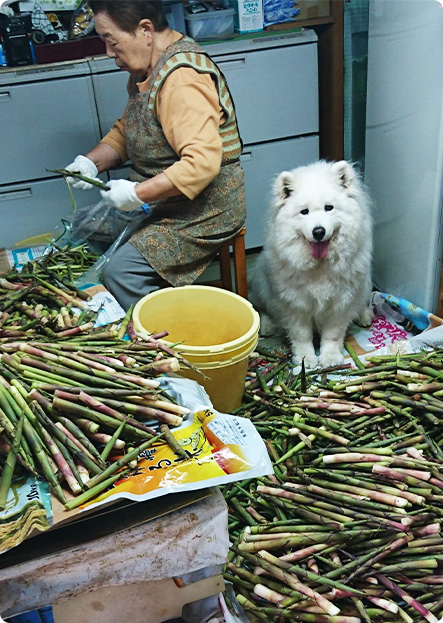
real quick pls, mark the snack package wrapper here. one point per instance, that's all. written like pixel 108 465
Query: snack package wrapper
pixel 82 22
pixel 28 509
pixel 221 448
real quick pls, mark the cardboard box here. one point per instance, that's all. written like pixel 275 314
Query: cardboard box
pixel 310 9
pixel 249 15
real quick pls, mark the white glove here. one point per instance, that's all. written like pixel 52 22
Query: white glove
pixel 86 167
pixel 122 195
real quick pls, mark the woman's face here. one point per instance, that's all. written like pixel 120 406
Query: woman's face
pixel 131 51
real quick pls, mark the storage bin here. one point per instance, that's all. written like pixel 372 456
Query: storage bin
pixel 214 20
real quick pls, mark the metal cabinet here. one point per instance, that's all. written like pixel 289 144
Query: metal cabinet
pixel 110 91
pixel 47 116
pixel 261 164
pixel 36 207
pixel 274 84
pixel 275 89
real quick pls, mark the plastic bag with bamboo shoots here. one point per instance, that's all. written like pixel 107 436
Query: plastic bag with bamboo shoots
pixel 102 229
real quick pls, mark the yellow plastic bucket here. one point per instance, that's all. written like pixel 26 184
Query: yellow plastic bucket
pixel 217 331
pixel 33 241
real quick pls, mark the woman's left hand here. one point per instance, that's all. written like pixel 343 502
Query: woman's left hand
pixel 121 195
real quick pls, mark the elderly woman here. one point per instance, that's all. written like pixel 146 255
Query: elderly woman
pixel 179 131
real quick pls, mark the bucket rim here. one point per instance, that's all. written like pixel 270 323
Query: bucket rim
pixel 214 348
pixel 217 363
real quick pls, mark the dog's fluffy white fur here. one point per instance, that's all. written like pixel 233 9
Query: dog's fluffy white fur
pixel 314 272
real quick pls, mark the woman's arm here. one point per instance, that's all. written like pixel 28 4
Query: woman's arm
pixel 158 187
pixel 104 157
pixel 189 112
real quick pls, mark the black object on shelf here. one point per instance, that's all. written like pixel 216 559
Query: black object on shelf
pixel 15 31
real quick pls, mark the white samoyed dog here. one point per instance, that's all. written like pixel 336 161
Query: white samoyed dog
pixel 314 272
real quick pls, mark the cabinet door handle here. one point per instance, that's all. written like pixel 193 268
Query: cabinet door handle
pixel 5 96
pixel 21 193
pixel 233 63
pixel 246 156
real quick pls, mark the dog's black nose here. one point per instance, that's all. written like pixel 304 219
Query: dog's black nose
pixel 318 233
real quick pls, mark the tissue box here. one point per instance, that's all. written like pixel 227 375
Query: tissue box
pixel 249 15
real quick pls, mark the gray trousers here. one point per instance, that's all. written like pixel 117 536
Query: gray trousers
pixel 129 277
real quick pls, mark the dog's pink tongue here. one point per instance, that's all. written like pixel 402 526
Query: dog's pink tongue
pixel 319 249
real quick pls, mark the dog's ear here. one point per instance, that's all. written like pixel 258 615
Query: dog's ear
pixel 283 186
pixel 344 172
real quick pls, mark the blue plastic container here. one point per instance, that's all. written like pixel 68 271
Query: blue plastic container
pixel 43 615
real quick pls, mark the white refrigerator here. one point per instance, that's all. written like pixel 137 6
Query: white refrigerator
pixel 404 146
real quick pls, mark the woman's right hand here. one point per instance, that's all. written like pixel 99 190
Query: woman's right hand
pixel 84 166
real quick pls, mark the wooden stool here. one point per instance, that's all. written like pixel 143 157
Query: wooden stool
pixel 237 243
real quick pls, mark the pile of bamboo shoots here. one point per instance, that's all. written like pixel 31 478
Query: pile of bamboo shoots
pixel 78 404
pixel 348 527
pixel 43 300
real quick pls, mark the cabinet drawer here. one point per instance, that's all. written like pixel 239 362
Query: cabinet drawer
pixel 45 125
pixel 30 209
pixel 275 91
pixel 111 97
pixel 261 164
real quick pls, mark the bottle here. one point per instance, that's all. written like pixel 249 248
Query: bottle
pixel 31 45
pixel 3 60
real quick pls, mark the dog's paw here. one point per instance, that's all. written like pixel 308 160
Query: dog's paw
pixel 365 318
pixel 332 358
pixel 267 327
pixel 310 360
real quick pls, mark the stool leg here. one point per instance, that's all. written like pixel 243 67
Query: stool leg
pixel 241 281
pixel 225 267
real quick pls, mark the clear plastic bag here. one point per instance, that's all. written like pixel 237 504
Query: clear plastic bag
pixel 103 229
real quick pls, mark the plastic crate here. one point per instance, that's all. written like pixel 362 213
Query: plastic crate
pixel 213 20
